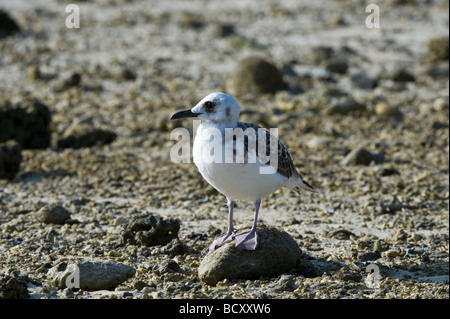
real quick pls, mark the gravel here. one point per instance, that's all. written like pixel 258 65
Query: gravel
pixel 112 86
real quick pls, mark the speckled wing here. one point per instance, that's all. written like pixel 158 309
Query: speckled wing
pixel 285 165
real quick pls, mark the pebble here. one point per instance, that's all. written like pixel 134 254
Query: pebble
pixel 53 214
pixel 346 107
pixel 361 156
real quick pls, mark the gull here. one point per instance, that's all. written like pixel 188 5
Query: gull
pixel 239 180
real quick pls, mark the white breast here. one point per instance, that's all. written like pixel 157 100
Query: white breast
pixel 237 181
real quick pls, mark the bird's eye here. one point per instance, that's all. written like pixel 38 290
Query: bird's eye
pixel 209 106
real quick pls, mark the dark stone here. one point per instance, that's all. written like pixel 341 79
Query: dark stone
pixel 361 156
pixel 10 158
pixel 13 286
pixel 255 75
pixel 150 231
pixel 370 256
pixel 26 122
pixel 8 26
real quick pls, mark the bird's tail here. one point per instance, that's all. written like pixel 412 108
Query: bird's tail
pixel 300 183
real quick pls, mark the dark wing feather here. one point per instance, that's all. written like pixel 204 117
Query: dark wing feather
pixel 285 165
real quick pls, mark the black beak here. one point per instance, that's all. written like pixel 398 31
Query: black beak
pixel 182 114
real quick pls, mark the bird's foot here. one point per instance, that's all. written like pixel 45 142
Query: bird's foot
pixel 221 240
pixel 247 240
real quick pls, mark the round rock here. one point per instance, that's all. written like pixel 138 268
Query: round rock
pixel 53 214
pixel 277 252
pixel 255 75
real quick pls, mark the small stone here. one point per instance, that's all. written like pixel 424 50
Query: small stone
pixel 401 75
pixel 10 159
pixel 400 235
pixel 150 231
pixel 255 75
pixel 336 66
pixel 384 109
pixel 387 171
pixel 317 142
pixel 222 30
pixel 93 274
pixel 346 107
pixel 277 252
pixel 416 237
pixel 361 156
pixel 168 266
pixel 363 81
pixel 370 256
pixel 53 214
pixel 120 221
pixel 346 274
pixel 438 49
pixel 391 253
pixel 285 283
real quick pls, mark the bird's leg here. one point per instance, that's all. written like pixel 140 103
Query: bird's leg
pixel 249 240
pixel 229 235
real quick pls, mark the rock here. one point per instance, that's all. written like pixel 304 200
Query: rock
pixel 345 107
pixel 53 214
pixel 370 256
pixel 222 30
pixel 318 141
pixel 336 66
pixel 84 135
pixel 320 55
pixel 384 109
pixel 400 235
pixel 361 156
pixel 437 49
pixel 401 75
pixel 8 26
pixel 150 231
pixel 276 253
pixel 168 266
pixel 26 122
pixel 363 81
pixel 255 75
pixel 346 274
pixel 285 283
pixel 387 171
pixel 73 79
pixel 13 286
pixel 92 274
pixel 10 158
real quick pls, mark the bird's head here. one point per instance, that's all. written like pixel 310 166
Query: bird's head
pixel 215 107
